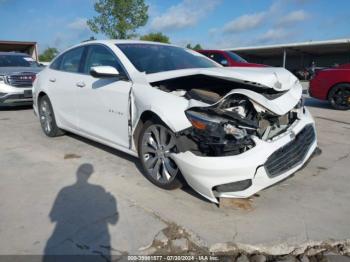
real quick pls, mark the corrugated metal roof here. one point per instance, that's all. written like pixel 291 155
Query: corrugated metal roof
pixel 290 45
pixel 6 42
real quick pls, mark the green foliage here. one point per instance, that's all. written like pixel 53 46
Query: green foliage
pixel 119 19
pixel 156 37
pixel 49 54
pixel 196 47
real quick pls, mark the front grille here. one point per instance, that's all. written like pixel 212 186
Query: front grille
pixel 291 154
pixel 21 79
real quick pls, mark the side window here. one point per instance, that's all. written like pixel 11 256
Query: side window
pixel 57 63
pixel 71 60
pixel 99 55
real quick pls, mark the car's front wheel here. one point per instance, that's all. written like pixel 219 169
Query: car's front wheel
pixel 339 96
pixel 156 144
pixel 47 118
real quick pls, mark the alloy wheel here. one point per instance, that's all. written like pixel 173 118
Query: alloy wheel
pixel 158 143
pixel 46 116
pixel 342 97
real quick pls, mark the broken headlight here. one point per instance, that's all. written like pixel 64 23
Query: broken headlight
pixel 299 108
pixel 216 135
pixel 202 122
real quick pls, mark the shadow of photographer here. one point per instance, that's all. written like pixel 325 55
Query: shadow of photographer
pixel 82 213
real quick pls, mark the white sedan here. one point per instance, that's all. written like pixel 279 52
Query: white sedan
pixel 227 132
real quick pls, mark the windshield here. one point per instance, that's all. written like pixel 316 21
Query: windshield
pixel 152 58
pixel 236 57
pixel 17 61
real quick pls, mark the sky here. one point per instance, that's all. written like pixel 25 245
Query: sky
pixel 211 23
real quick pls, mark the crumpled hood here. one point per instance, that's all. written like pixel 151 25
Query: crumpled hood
pixel 278 79
pixel 13 70
pixel 279 106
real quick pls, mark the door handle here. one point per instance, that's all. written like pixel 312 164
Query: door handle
pixel 52 80
pixel 80 84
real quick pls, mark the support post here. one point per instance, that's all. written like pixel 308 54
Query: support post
pixel 284 57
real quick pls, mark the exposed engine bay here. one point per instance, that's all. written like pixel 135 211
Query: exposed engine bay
pixel 226 126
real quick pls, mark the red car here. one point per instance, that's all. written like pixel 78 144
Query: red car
pixel 332 84
pixel 227 58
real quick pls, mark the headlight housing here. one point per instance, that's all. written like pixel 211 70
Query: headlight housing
pixel 215 135
pixel 204 123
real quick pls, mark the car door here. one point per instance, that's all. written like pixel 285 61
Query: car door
pixel 103 103
pixel 62 78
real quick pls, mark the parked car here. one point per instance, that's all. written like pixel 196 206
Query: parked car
pixel 332 84
pixel 228 58
pixel 17 73
pixel 307 73
pixel 228 133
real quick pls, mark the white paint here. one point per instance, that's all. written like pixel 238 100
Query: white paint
pixel 99 110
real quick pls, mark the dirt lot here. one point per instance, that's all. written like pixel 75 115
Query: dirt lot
pixel 68 195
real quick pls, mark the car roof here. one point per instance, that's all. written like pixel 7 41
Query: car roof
pixel 119 41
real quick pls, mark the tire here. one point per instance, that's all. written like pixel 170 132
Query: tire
pixel 155 145
pixel 47 118
pixel 339 97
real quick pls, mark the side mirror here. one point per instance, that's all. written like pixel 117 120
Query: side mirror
pixel 104 72
pixel 224 62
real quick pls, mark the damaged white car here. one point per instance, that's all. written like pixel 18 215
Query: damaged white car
pixel 228 132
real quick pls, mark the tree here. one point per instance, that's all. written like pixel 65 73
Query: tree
pixel 156 37
pixel 49 54
pixel 119 19
pixel 196 47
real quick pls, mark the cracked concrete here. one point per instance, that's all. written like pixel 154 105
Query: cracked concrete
pixel 307 213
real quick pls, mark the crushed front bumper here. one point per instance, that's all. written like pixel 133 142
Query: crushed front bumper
pixel 205 174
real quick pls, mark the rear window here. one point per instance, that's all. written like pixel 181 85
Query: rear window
pixel 17 61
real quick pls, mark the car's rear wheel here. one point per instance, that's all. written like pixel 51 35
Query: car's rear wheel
pixel 47 118
pixel 339 96
pixel 155 146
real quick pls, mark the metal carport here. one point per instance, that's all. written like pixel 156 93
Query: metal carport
pixel 298 55
pixel 30 48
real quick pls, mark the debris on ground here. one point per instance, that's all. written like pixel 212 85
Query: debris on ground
pixel 237 203
pixel 176 240
pixel 71 156
pixel 161 238
pixel 180 244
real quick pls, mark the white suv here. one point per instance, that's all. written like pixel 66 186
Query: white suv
pixel 17 73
